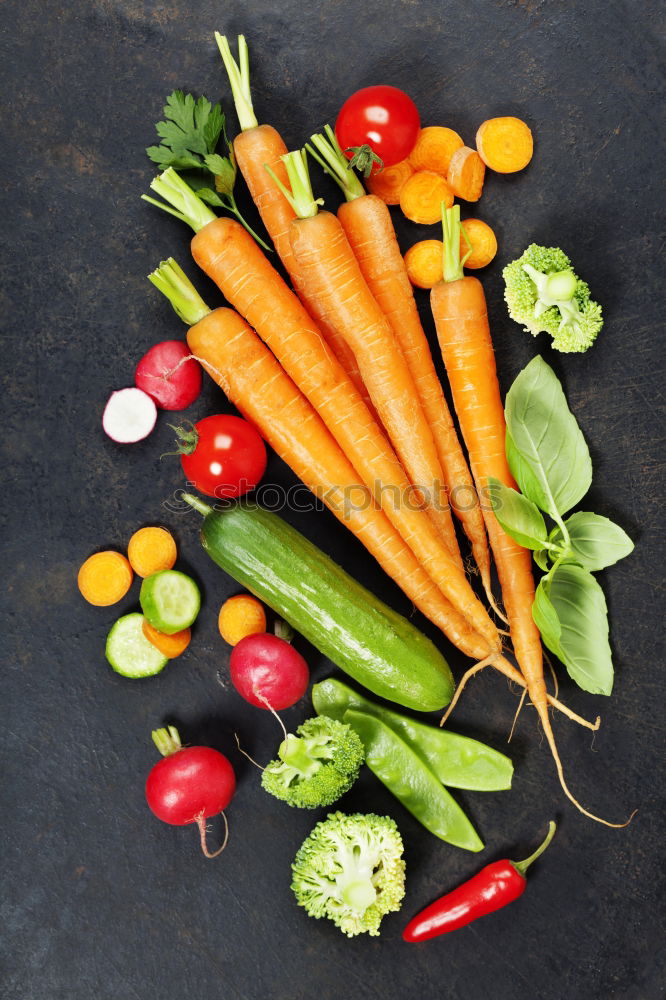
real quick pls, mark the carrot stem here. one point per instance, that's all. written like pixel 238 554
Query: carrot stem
pixel 301 198
pixel 181 200
pixel 239 80
pixel 452 229
pixel 332 160
pixel 172 282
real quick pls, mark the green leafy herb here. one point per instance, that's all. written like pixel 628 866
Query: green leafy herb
pixel 518 516
pixel 190 135
pixel 546 438
pixel 551 463
pixel 594 541
pixel 573 620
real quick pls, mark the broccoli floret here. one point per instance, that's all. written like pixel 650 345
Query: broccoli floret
pixel 317 765
pixel 545 295
pixel 350 869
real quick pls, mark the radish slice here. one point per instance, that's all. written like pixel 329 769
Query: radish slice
pixel 163 373
pixel 129 416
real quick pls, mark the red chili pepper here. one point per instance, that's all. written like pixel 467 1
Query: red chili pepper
pixel 495 886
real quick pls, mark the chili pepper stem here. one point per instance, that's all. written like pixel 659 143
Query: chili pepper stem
pixel 522 866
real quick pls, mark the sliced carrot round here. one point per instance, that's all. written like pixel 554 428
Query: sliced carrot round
pixel 105 578
pixel 483 240
pixel 434 149
pixel 422 196
pixel 505 144
pixel 389 182
pixel 151 550
pixel 241 616
pixel 466 174
pixel 424 263
pixel 169 645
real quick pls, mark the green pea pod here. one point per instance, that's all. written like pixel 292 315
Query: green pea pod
pixel 412 782
pixel 457 761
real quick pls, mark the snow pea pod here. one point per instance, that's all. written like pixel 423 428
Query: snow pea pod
pixel 412 782
pixel 457 761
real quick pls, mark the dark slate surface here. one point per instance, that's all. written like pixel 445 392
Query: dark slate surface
pixel 99 899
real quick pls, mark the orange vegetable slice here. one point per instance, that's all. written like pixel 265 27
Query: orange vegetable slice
pixel 505 144
pixel 422 196
pixel 389 182
pixel 434 148
pixel 424 263
pixel 241 616
pixel 466 174
pixel 484 243
pixel 169 645
pixel 105 578
pixel 151 550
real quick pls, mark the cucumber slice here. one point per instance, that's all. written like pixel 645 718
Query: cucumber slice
pixel 129 652
pixel 170 600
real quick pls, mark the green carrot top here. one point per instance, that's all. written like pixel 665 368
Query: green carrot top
pixel 453 229
pixel 239 79
pixel 300 197
pixel 329 156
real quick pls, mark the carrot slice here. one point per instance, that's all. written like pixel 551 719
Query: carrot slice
pixel 151 550
pixel 105 578
pixel 424 263
pixel 434 148
pixel 241 616
pixel 484 244
pixel 169 645
pixel 466 174
pixel 505 144
pixel 388 183
pixel 422 196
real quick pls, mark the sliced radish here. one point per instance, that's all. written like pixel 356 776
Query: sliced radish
pixel 129 415
pixel 173 383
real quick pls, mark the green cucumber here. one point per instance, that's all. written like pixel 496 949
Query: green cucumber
pixel 170 600
pixel 368 640
pixel 129 652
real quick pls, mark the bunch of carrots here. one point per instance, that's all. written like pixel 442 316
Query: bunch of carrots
pixel 338 376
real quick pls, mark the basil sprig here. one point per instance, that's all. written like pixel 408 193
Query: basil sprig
pixel 551 464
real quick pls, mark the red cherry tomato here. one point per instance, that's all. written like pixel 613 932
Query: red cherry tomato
pixel 268 672
pixel 228 457
pixel 382 117
pixel 192 783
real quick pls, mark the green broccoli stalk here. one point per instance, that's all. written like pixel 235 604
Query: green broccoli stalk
pixel 350 869
pixel 544 294
pixel 316 766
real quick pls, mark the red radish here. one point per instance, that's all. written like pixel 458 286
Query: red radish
pixel 163 373
pixel 268 672
pixel 129 416
pixel 189 785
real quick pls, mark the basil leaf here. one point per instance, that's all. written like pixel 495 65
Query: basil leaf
pixel 582 644
pixel 595 541
pixel 546 438
pixel 541 559
pixel 545 617
pixel 517 515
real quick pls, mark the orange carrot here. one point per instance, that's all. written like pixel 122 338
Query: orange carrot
pixel 151 550
pixel 389 182
pixel 369 229
pixel 170 646
pixel 239 617
pixel 466 174
pixel 434 148
pixel 505 144
pixel 422 195
pixel 423 261
pixel 105 578
pixel 461 319
pixel 258 386
pixel 259 150
pixel 483 243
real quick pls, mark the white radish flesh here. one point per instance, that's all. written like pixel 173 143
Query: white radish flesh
pixel 129 416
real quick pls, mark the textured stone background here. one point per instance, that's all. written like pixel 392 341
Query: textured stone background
pixel 99 899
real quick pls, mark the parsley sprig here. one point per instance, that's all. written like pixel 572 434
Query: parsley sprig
pixel 189 137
